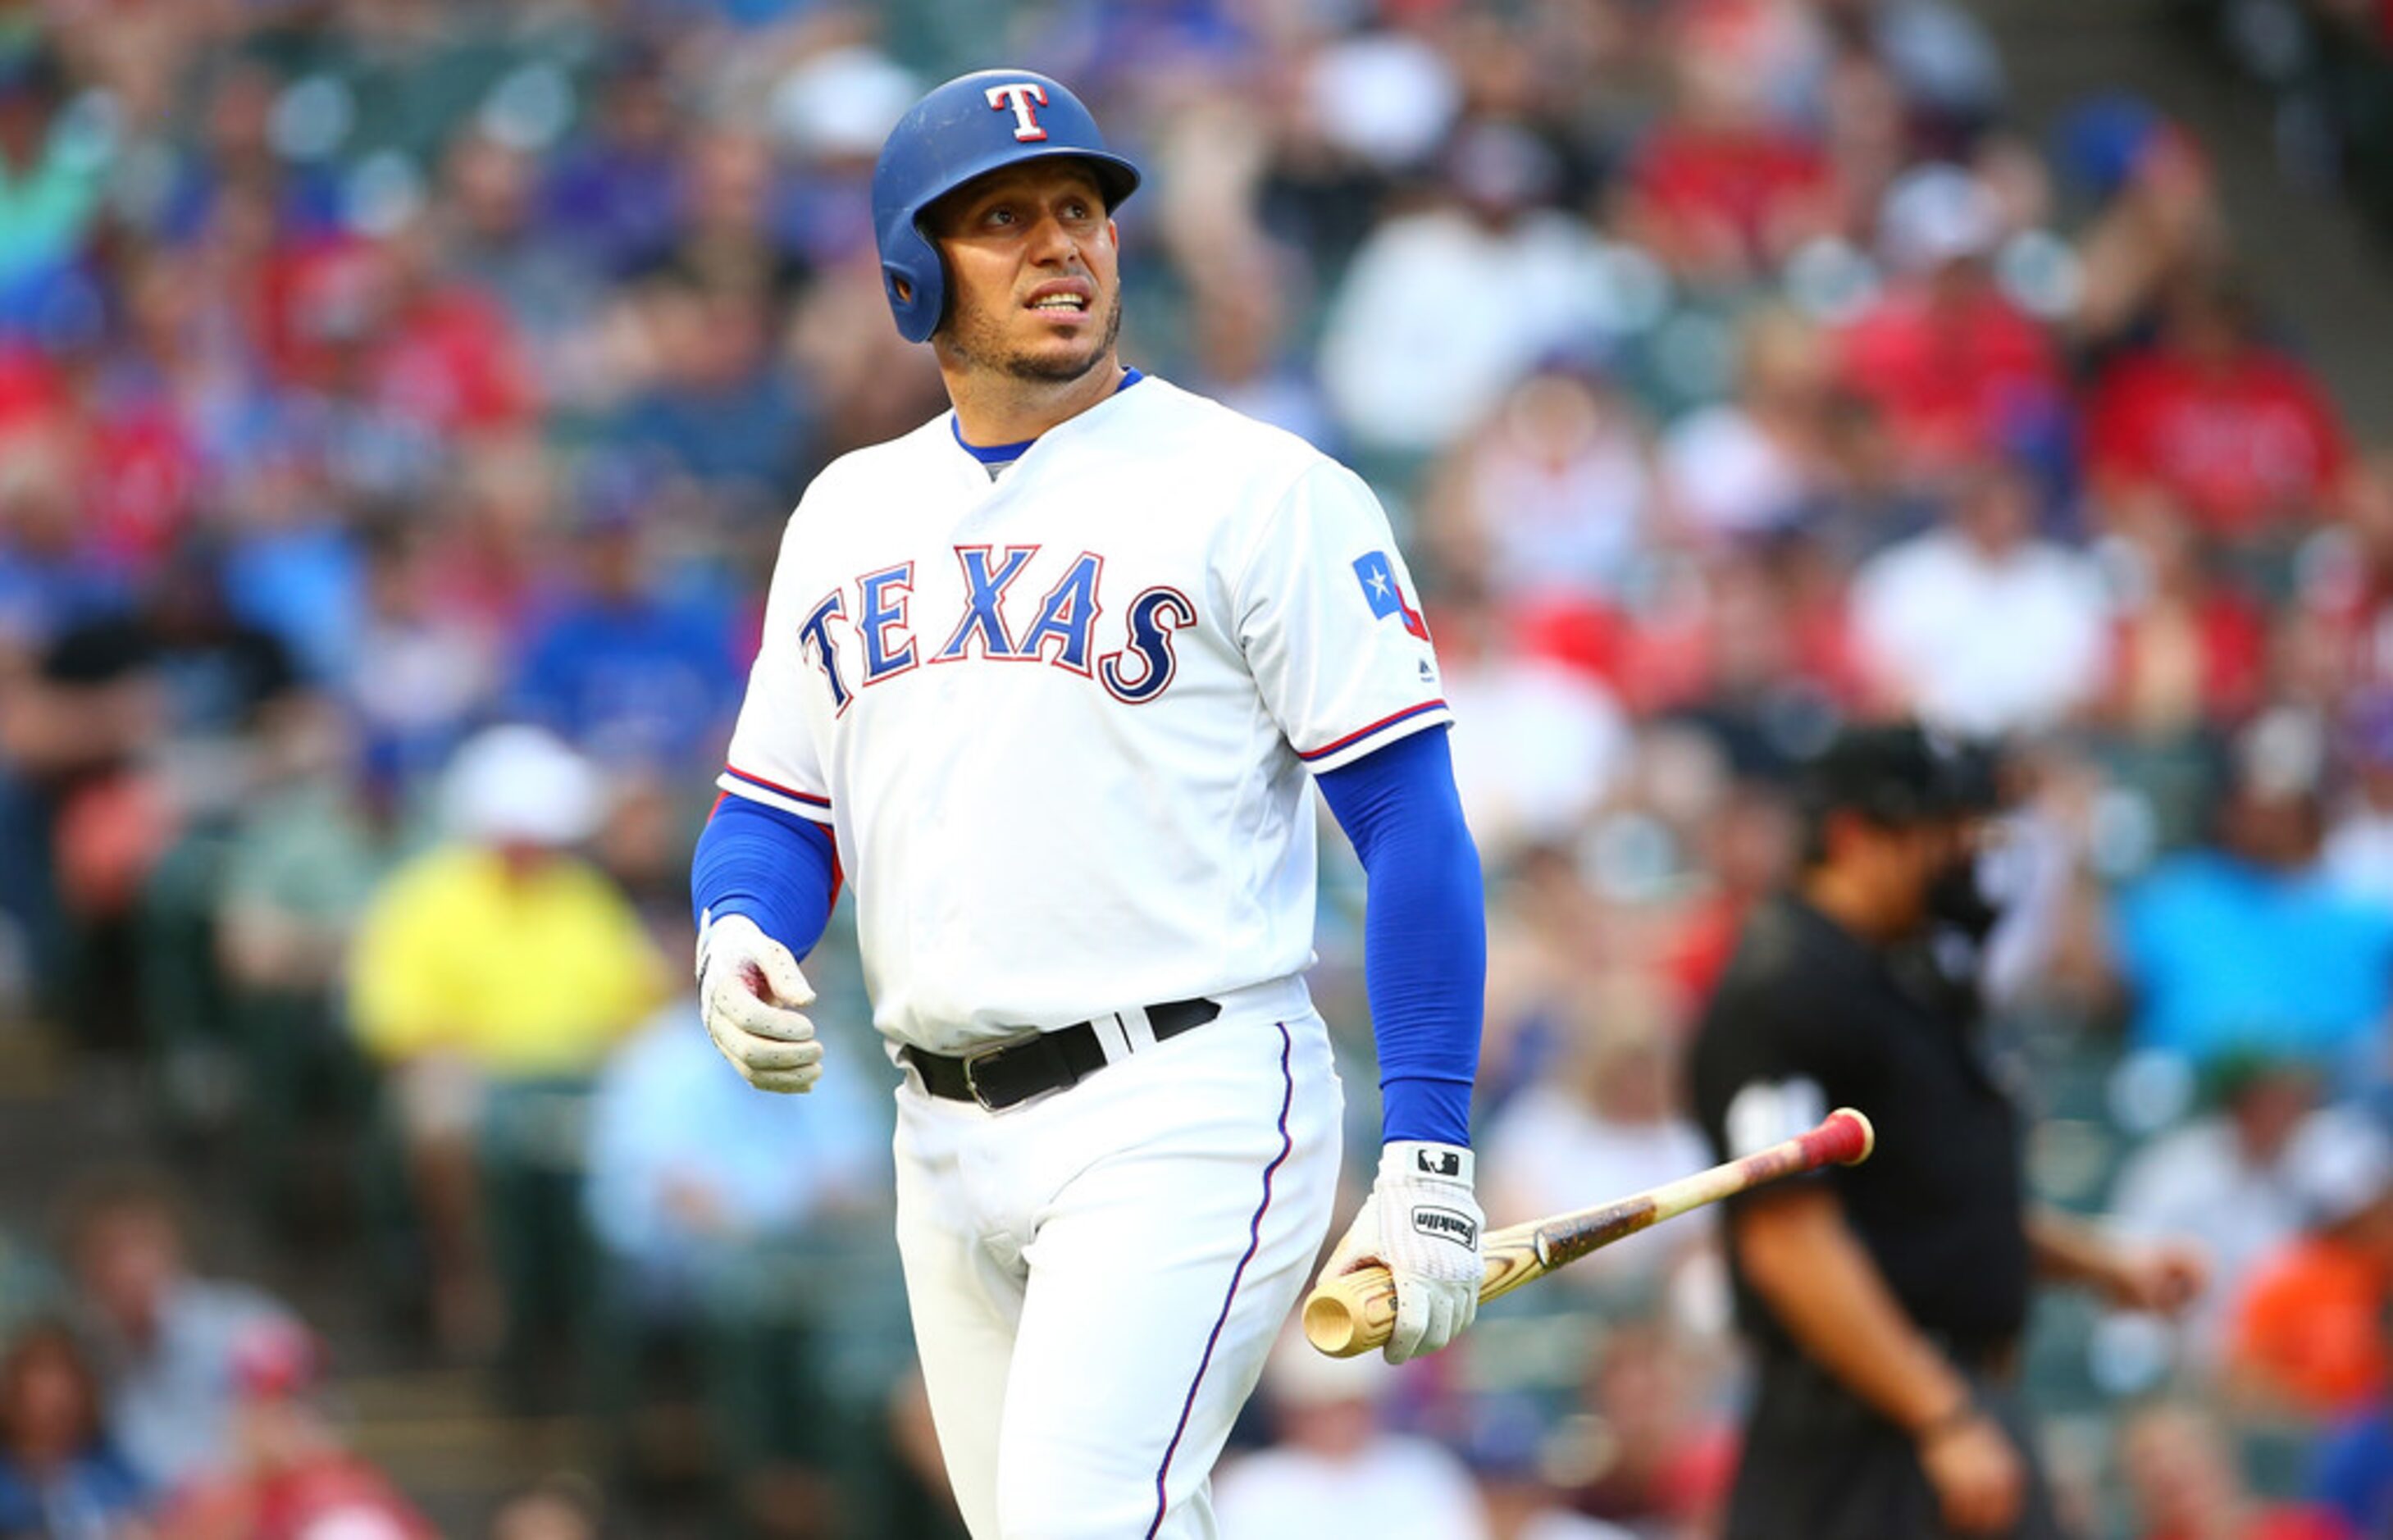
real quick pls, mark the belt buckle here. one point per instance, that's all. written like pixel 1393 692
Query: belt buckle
pixel 972 1062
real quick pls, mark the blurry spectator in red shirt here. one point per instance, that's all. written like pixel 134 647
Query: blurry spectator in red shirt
pixel 292 1477
pixel 2349 589
pixel 2236 431
pixel 1671 1458
pixel 1721 190
pixel 1959 369
pixel 2187 1484
pixel 375 326
pixel 2192 651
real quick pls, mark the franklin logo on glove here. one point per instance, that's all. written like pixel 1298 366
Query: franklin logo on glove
pixel 1445 1223
pixel 1421 1223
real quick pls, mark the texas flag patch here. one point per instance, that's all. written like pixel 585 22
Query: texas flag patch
pixel 1385 595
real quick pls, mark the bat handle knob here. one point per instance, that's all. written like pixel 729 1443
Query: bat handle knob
pixel 1351 1313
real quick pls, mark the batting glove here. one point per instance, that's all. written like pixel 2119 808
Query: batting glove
pixel 1421 1223
pixel 748 984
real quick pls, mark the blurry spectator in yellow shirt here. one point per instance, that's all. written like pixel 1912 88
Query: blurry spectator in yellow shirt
pixel 491 976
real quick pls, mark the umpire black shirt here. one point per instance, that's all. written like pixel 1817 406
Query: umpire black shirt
pixel 1809 1017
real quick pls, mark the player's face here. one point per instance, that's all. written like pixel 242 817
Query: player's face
pixel 1033 266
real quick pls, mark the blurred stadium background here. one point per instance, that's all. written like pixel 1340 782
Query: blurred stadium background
pixel 398 403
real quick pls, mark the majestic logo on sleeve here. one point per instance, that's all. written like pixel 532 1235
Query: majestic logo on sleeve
pixel 1385 594
pixel 1019 95
pixel 1061 629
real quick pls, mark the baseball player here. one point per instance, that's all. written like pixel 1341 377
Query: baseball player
pixel 1046 680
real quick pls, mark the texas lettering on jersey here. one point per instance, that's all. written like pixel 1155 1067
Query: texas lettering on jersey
pixel 1060 629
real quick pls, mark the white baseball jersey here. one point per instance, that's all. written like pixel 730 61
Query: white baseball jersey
pixel 1059 722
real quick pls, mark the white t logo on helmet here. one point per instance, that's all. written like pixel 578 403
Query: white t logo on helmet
pixel 1018 95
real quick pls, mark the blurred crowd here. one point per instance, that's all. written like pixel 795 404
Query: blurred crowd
pixel 399 401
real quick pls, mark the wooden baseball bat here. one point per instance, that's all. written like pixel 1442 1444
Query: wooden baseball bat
pixel 1356 1311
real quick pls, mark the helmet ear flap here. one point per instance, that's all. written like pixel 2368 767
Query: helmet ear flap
pixel 911 270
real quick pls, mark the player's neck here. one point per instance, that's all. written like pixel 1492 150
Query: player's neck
pixel 993 409
pixel 1852 901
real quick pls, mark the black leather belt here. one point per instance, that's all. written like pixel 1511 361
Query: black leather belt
pixel 1002 1077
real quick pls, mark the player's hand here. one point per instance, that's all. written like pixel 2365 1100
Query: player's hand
pixel 1422 1224
pixel 1977 1474
pixel 2164 1277
pixel 748 988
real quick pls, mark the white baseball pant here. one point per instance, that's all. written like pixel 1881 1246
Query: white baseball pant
pixel 1096 1277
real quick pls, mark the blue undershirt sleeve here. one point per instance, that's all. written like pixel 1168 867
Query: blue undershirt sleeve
pixel 778 869
pixel 1424 930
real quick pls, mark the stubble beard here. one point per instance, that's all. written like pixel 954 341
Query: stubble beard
pixel 979 340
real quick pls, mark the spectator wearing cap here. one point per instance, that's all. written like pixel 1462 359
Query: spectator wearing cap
pixel 2159 222
pixel 2246 944
pixel 292 1476
pixel 498 961
pixel 1980 626
pixel 2307 1329
pixel 166 1341
pixel 59 1476
pixel 1334 1469
pixel 1507 1446
pixel 1886 1301
pixel 1959 369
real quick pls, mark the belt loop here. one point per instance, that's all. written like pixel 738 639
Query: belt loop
pixel 1137 1031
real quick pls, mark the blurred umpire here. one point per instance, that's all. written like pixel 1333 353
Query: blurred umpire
pixel 1886 1301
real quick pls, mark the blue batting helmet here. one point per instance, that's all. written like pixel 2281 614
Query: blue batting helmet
pixel 973 124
